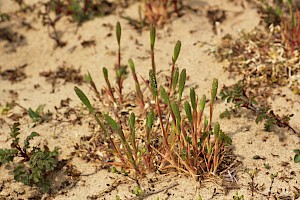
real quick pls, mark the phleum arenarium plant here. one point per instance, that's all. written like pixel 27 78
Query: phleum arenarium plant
pixel 176 134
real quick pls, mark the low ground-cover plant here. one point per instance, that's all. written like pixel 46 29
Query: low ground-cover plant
pixel 79 12
pixel 287 15
pixel 237 95
pixel 262 59
pixel 38 115
pixel 35 164
pixel 4 17
pixel 165 130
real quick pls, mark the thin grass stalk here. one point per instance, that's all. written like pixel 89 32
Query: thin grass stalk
pixel 139 93
pixel 120 75
pixel 109 88
pixel 91 109
pixel 165 136
pixel 93 85
pixel 174 59
pixel 149 124
pixel 213 97
pixel 186 143
pixel 132 134
pixel 152 43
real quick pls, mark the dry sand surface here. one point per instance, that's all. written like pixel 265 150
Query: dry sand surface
pixel 33 49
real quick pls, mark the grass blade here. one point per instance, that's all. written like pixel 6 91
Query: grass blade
pixel 150 119
pixel 175 78
pixel 118 32
pixel 202 103
pixel 182 80
pixel 84 100
pixel 153 83
pixel 176 51
pixel 152 36
pixel 113 124
pixel 164 95
pixel 188 112
pixel 214 90
pixel 193 98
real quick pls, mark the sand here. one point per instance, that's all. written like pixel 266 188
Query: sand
pixel 32 47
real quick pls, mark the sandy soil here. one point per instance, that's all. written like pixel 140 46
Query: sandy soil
pixel 32 48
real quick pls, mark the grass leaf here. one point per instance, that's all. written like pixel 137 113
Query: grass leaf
pixel 153 83
pixel 84 100
pixel 164 95
pixel 175 77
pixel 150 119
pixel 214 90
pixel 202 103
pixel 118 32
pixel 193 98
pixel 176 51
pixel 131 65
pixel 152 36
pixel 188 111
pixel 132 121
pixel 105 73
pixel 182 80
pixel 113 124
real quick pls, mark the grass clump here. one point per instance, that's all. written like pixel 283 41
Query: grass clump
pixel 35 164
pixel 165 130
pixel 156 12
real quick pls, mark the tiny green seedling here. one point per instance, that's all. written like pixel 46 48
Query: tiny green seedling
pixel 39 116
pixel 36 163
pixel 297 156
pixel 238 197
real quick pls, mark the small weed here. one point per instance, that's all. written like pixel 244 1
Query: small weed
pixel 297 156
pixel 36 163
pixel 238 197
pixel 272 177
pixel 39 116
pixel 267 166
pixel 252 185
pixel 237 95
pixel 261 59
pixel 4 110
pixel 4 17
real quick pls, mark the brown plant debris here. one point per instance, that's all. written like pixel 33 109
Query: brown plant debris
pixel 214 16
pixel 261 58
pixel 14 75
pixel 64 73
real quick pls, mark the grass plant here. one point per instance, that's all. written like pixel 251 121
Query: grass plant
pixel 176 134
pixel 155 12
